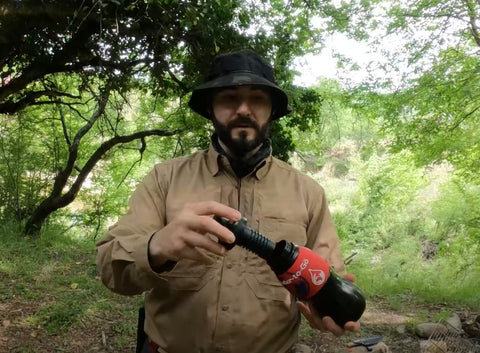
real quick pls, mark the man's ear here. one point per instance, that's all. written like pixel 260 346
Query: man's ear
pixel 211 116
pixel 210 113
pixel 272 114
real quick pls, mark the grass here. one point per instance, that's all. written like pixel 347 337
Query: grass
pixel 55 274
pixel 431 281
pixel 390 215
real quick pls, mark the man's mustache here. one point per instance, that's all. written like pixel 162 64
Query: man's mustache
pixel 243 121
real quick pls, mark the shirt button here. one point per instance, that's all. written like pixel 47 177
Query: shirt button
pixel 225 307
pixel 229 266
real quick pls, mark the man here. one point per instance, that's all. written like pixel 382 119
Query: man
pixel 201 297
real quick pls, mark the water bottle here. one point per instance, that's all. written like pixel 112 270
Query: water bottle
pixel 305 274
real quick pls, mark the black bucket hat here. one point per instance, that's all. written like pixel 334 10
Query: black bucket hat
pixel 242 68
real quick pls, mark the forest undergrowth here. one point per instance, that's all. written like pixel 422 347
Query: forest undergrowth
pixel 52 300
pixel 415 258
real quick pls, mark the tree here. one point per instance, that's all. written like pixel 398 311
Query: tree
pixel 81 61
pixel 425 92
pixel 431 104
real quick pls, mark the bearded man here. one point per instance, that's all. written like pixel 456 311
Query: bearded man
pixel 201 297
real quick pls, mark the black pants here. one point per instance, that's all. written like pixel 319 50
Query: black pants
pixel 142 339
pixel 146 347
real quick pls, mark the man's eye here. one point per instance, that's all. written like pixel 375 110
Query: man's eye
pixel 259 98
pixel 228 98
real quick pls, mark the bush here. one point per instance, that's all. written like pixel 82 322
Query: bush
pixel 411 239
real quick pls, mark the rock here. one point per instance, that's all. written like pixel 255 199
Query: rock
pixel 472 329
pixel 302 348
pixel 401 329
pixel 425 330
pixel 433 347
pixel 378 348
pixel 455 322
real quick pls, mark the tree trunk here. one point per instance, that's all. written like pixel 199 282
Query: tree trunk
pixel 57 200
pixel 44 209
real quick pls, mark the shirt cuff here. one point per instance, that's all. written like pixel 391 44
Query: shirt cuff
pixel 141 257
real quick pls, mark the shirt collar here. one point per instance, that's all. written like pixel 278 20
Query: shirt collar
pixel 213 160
pixel 263 168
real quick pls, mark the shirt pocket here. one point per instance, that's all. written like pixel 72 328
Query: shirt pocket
pixel 188 275
pixel 260 277
pixel 266 285
pixel 277 229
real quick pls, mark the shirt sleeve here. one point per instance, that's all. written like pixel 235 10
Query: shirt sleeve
pixel 122 253
pixel 322 237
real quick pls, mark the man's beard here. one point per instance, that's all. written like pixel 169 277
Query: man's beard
pixel 241 145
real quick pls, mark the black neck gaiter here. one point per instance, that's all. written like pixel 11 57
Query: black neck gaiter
pixel 244 166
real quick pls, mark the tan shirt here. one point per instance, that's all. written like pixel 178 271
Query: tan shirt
pixel 236 304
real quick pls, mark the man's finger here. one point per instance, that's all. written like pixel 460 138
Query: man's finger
pixel 208 208
pixel 196 240
pixel 315 322
pixel 206 224
pixel 331 326
pixel 352 326
pixel 303 309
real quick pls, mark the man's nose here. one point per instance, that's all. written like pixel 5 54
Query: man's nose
pixel 244 108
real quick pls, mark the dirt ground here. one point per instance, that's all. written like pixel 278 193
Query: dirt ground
pixel 17 335
pixel 394 327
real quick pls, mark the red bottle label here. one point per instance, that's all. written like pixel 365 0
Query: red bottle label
pixel 307 275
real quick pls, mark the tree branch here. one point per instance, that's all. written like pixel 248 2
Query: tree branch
pixel 59 62
pixel 11 107
pixel 56 200
pixel 180 83
pixel 463 118
pixel 62 177
pixel 474 30
pixel 102 102
pixel 141 150
pixel 104 148
pixel 64 125
pixel 48 65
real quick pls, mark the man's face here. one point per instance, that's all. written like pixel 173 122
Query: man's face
pixel 241 117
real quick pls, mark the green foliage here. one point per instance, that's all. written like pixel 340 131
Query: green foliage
pixel 333 121
pixel 457 213
pixel 411 240
pixel 443 316
pixel 432 108
pixel 282 144
pixel 373 149
pixel 384 202
pixel 80 75
pixel 56 274
pixel 58 317
pixel 401 270
pixel 24 166
pixel 438 117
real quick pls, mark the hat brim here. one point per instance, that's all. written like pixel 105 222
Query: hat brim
pixel 200 98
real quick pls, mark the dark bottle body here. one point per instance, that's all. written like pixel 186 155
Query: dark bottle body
pixel 305 274
pixel 308 276
pixel 340 299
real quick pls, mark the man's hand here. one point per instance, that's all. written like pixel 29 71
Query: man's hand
pixel 326 323
pixel 185 236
